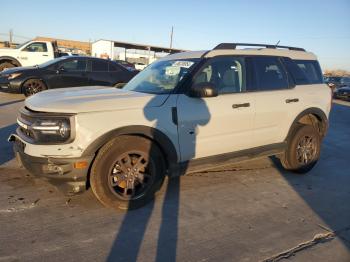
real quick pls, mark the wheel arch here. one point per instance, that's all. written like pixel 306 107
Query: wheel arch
pixel 10 59
pixel 165 144
pixel 33 77
pixel 313 116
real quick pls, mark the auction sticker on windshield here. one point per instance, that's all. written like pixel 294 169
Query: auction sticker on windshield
pixel 185 64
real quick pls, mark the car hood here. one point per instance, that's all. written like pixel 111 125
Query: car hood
pixel 8 51
pixel 18 69
pixel 91 99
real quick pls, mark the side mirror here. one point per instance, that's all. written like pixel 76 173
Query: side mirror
pixel 205 89
pixel 60 70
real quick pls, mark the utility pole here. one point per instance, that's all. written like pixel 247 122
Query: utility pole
pixel 11 36
pixel 171 37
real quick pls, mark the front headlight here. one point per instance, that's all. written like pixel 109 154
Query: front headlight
pixel 55 130
pixel 45 129
pixel 14 75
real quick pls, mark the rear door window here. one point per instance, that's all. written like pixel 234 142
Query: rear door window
pixel 298 76
pixel 270 73
pixel 311 69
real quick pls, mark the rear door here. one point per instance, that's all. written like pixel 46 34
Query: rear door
pixel 277 101
pixel 118 74
pixel 99 74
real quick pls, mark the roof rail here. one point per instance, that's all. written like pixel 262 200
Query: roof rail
pixel 234 45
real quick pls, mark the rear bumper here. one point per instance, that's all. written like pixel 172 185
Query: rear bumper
pixel 61 172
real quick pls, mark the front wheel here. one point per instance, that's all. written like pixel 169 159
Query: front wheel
pixel 5 65
pixel 303 150
pixel 33 86
pixel 127 172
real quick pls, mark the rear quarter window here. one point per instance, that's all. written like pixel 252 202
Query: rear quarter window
pixel 99 65
pixel 311 70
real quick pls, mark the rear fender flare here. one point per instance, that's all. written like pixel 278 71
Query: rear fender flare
pixel 321 116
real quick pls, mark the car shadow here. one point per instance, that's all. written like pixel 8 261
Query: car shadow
pixel 6 151
pixel 133 228
pixel 11 102
pixel 327 192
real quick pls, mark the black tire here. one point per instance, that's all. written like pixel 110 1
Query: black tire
pixel 112 178
pixel 5 65
pixel 33 86
pixel 303 149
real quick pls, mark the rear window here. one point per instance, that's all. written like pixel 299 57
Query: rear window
pixel 311 69
pixel 113 67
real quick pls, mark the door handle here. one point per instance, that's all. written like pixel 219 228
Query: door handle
pixel 45 55
pixel 240 105
pixel 292 100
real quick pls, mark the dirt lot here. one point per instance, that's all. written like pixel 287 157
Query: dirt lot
pixel 248 212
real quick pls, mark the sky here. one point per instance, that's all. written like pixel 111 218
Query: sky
pixel 319 26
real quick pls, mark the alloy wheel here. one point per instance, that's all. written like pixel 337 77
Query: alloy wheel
pixel 306 149
pixel 131 175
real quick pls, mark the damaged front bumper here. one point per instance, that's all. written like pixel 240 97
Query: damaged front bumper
pixel 69 174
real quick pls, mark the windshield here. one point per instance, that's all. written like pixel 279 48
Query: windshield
pixel 161 77
pixel 21 45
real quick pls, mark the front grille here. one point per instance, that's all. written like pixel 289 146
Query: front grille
pixel 25 132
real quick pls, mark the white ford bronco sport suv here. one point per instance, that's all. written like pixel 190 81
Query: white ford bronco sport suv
pixel 183 113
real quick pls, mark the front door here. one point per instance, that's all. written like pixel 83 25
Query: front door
pixel 70 73
pixel 217 125
pixel 34 54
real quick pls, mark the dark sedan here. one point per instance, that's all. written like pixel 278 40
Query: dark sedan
pixel 342 93
pixel 65 72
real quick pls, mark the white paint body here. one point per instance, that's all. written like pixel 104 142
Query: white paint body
pixel 206 126
pixel 27 58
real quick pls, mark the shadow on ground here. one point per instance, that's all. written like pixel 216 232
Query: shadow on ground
pixel 6 152
pixel 325 188
pixel 325 192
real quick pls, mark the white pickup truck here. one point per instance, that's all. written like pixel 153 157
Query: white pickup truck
pixel 28 54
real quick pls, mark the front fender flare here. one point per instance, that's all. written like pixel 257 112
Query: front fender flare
pixel 12 59
pixel 165 144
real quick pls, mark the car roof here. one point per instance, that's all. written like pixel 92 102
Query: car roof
pixel 293 54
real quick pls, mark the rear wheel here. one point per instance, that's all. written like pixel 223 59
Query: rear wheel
pixel 33 86
pixel 303 149
pixel 127 172
pixel 5 65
